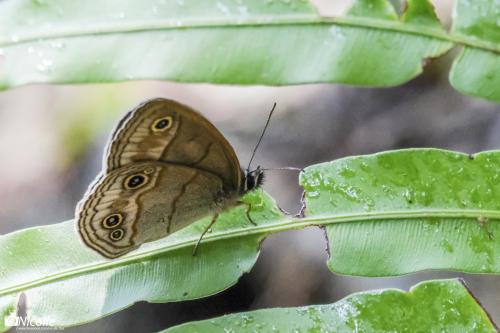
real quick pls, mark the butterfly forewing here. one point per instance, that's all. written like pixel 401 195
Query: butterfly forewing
pixel 166 131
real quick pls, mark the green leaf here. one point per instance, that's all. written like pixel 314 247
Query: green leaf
pixel 402 211
pixel 433 306
pixel 245 42
pixel 381 9
pixel 476 71
pixel 218 41
pixel 52 267
pixel 385 214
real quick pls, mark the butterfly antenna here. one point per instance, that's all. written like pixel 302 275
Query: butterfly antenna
pixel 284 168
pixel 261 136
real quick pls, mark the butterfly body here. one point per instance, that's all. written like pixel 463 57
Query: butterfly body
pixel 166 166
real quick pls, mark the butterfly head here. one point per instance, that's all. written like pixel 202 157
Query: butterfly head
pixel 253 179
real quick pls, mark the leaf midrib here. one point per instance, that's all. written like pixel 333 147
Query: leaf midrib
pixel 263 21
pixel 265 229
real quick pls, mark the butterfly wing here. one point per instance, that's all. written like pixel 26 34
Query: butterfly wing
pixel 145 201
pixel 166 131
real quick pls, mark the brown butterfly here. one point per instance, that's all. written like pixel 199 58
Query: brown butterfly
pixel 165 167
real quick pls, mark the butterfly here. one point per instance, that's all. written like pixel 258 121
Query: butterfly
pixel 165 166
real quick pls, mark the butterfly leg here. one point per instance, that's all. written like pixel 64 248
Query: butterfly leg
pixel 214 219
pixel 247 212
pixel 249 208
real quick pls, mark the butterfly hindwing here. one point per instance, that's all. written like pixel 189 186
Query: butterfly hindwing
pixel 142 202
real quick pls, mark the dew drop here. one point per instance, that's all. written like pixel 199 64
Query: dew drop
pixel 45 65
pixel 57 45
pixel 223 8
pixel 243 10
pixel 409 195
pixel 347 172
pixel 337 32
pixel 447 246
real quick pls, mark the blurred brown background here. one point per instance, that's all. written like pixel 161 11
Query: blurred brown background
pixel 52 139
